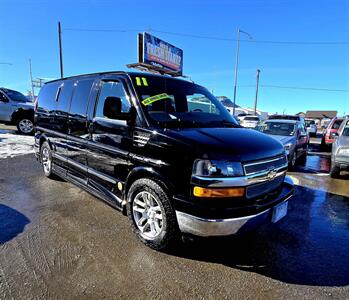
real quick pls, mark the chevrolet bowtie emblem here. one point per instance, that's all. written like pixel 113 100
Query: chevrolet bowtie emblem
pixel 271 174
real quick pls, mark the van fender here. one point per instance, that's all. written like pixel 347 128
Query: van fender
pixel 147 172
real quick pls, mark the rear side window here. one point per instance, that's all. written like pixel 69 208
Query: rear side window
pixel 80 97
pixel 47 96
pixel 64 96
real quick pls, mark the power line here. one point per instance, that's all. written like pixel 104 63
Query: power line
pixel 299 88
pixel 207 37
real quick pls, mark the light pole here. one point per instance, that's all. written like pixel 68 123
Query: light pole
pixel 237 62
pixel 60 48
pixel 257 85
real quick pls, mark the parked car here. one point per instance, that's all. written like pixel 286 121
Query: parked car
pixel 137 141
pixel 287 117
pixel 249 121
pixel 329 133
pixel 16 109
pixel 311 127
pixel 340 149
pixel 292 135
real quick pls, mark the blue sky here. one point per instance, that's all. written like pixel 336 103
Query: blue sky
pixel 28 29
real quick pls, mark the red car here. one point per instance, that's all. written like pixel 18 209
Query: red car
pixel 330 131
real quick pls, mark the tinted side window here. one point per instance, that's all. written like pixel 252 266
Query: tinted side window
pixel 80 97
pixel 47 97
pixel 64 97
pixel 112 89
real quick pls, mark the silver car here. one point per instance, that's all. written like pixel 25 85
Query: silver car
pixel 340 149
pixel 16 109
pixel 292 134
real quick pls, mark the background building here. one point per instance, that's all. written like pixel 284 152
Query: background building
pixel 321 117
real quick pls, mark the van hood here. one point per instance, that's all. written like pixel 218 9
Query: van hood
pixel 235 144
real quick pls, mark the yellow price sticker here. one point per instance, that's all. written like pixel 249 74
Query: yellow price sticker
pixel 155 98
pixel 141 80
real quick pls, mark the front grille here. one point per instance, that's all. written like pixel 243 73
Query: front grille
pixel 264 188
pixel 275 163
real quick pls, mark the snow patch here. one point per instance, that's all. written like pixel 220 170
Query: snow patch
pixel 13 144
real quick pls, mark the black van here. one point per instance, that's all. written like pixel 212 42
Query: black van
pixel 164 151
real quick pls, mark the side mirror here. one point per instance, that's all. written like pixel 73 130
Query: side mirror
pixel 113 109
pixel 3 98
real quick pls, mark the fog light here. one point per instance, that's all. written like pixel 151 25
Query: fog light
pixel 218 193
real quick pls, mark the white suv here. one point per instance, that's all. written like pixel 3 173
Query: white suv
pixel 249 121
pixel 16 109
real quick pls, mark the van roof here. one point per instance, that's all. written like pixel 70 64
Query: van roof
pixel 112 72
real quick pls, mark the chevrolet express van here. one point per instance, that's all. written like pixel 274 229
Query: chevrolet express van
pixel 162 150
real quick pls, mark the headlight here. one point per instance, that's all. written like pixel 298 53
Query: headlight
pixel 343 151
pixel 287 148
pixel 217 168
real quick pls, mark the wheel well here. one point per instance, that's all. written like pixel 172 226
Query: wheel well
pixel 149 174
pixel 44 139
pixel 20 113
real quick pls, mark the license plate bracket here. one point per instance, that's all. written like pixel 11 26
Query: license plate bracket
pixel 279 211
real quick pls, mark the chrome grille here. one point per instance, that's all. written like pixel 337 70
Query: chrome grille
pixel 264 187
pixel 261 166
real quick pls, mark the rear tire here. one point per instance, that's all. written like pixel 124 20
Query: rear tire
pixel 151 214
pixel 46 160
pixel 25 125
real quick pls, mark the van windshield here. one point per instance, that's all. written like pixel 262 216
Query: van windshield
pixel 170 102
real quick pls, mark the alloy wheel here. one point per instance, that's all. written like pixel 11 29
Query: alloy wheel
pixel 26 126
pixel 147 214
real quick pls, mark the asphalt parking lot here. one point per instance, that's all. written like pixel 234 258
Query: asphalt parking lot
pixel 57 241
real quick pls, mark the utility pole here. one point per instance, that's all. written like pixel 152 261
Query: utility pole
pixel 236 68
pixel 256 98
pixel 237 62
pixel 60 48
pixel 31 79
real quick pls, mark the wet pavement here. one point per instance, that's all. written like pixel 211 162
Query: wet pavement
pixel 57 241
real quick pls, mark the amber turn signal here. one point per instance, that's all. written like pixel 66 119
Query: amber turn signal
pixel 218 193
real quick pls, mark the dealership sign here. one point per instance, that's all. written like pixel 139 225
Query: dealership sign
pixel 159 54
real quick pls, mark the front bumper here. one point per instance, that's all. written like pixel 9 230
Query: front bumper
pixel 229 226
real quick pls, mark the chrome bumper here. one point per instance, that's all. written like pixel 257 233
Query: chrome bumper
pixel 223 227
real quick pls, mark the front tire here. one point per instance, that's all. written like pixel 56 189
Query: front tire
pixel 335 171
pixel 25 125
pixel 151 214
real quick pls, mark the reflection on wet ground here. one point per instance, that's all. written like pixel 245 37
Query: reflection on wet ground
pixel 76 246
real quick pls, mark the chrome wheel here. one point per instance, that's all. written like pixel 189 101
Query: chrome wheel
pixel 46 160
pixel 147 214
pixel 25 126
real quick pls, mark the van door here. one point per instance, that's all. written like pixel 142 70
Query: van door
pixel 77 131
pixel 110 140
pixel 63 99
